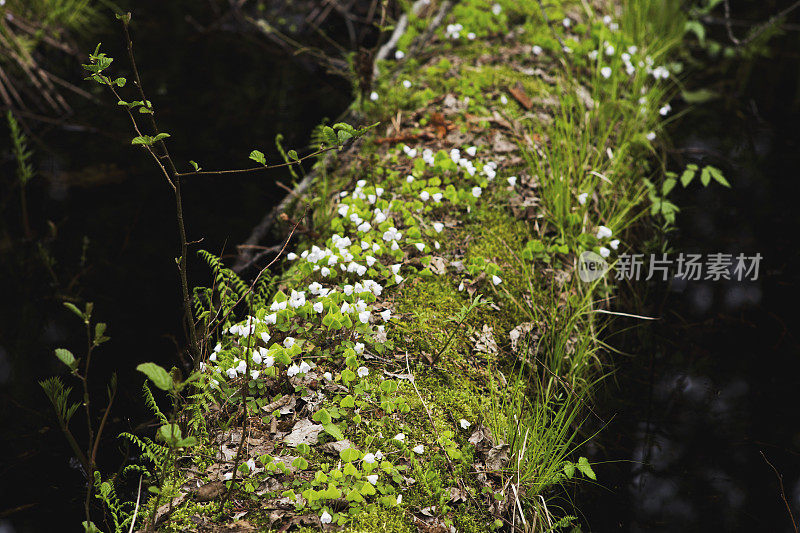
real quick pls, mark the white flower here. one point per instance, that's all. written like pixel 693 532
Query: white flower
pixel 503 99
pixel 471 36
pixel 400 437
pixel 256 357
pixel 325 271
pixel 395 268
pixel 582 198
pixel 566 22
pixel 399 54
pixel 386 315
pixel 304 367
pixel 399 499
pixel 455 155
pixel 231 372
pixel 607 20
pixel 651 136
pixel 328 376
pixel 297 299
pixel 437 197
pixel 605 72
pixel 610 50
pixel 363 317
pixel 269 361
pixel 592 55
pixel 325 518
pixel 369 458
pixel 603 232
pixel 288 342
pixel 604 252
pixel 512 180
pixel 217 348
pixel 424 196
pixel 406 84
pixel 660 73
pixel 265 336
pixel 420 246
pixel 373 479
pixel 496 280
pixel 464 423
pixel 254 374
pixel 614 244
pixel 409 178
pixel 664 111
pixel 471 151
pixel 537 50
pixel 438 226
pixel 497 9
pixel 476 192
pixel 241 368
pixel 362 371
pixel 419 449
pixel 227 476
pixel 291 256
pixel 318 307
pixel 359 347
pixel 373 96
pixel 292 370
pixel 378 455
pixel 212 357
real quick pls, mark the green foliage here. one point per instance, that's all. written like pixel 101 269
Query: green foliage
pixel 22 154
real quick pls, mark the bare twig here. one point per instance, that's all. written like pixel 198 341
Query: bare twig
pixel 783 492
pixel 760 29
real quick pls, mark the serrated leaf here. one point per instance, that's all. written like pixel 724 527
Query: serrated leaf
pixel 157 375
pixel 143 140
pixel 258 157
pixel 66 357
pixel 585 468
pixel 330 136
pixel 161 136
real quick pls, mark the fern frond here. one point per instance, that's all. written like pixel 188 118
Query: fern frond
pixel 150 402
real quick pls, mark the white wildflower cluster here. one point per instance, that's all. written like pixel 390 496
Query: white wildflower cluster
pixel 604 232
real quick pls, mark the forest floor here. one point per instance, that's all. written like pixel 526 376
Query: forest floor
pixel 426 356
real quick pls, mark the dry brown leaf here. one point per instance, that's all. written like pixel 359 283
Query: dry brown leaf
pixel 519 94
pixel 304 432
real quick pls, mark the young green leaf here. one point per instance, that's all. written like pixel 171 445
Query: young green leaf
pixel 66 357
pixel 157 375
pixel 258 157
